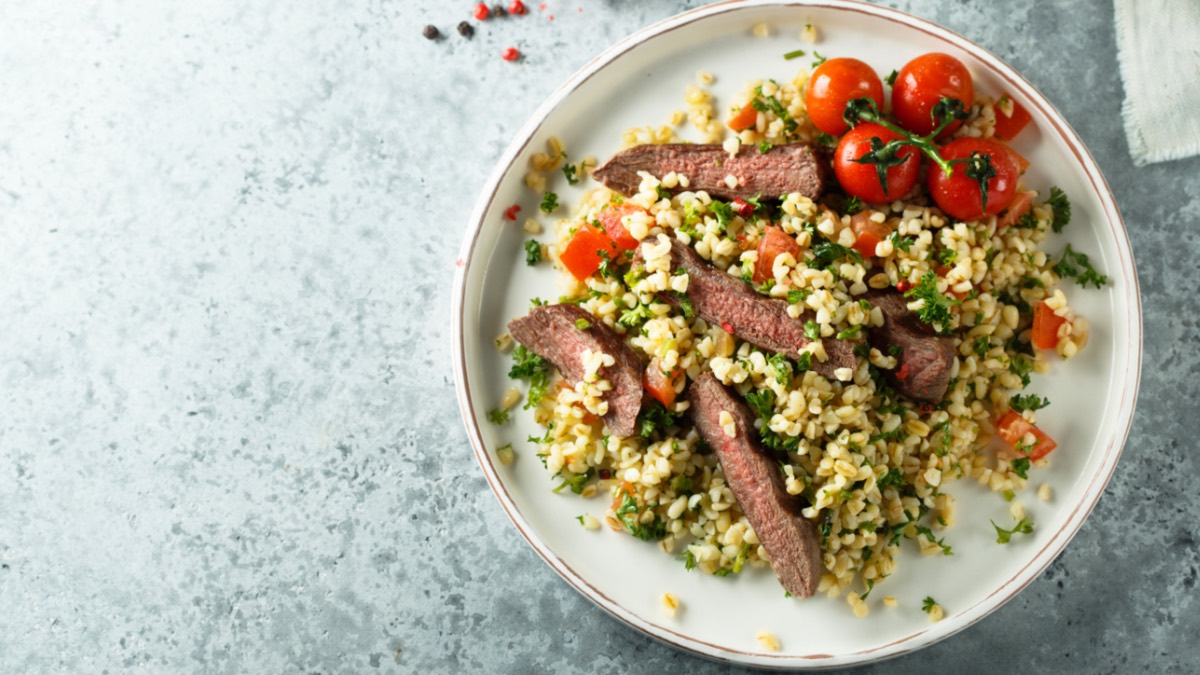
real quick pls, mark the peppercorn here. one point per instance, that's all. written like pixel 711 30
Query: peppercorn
pixel 516 8
pixel 498 9
pixel 431 32
pixel 465 29
pixel 510 54
pixel 481 12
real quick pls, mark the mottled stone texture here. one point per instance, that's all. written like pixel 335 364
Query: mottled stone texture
pixel 228 433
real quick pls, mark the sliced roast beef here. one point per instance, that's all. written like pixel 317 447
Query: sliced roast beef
pixel 783 169
pixel 731 303
pixel 757 484
pixel 925 358
pixel 559 334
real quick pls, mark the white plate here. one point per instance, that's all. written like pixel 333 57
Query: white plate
pixel 638 82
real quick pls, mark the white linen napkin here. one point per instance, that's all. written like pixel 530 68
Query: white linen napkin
pixel 1158 46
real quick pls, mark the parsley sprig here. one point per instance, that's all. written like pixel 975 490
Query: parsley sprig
pixel 936 308
pixel 1077 266
pixel 1003 536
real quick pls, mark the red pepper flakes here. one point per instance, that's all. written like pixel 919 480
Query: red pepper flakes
pixel 604 474
pixel 511 212
pixel 743 208
pixel 510 54
pixel 902 374
pixel 481 12
pixel 517 8
pixel 903 285
pixel 727 327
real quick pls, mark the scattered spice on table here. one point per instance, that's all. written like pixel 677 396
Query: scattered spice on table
pixel 431 32
pixel 510 54
pixel 481 12
pixel 517 8
pixel 498 10
pixel 465 29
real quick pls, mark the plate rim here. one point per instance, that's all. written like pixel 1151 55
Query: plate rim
pixel 918 639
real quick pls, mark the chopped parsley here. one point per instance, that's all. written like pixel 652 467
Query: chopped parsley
pixel 629 516
pixel 1023 402
pixel 576 482
pixel 781 367
pixel 850 333
pixel 681 484
pixel 1077 266
pixel 654 418
pixel 794 54
pixel 1020 466
pixel 1021 366
pixel 498 416
pixel 928 604
pixel 569 171
pixel 891 78
pixel 947 256
pixel 981 345
pixel 827 140
pixel 893 478
pixel 795 296
pixel 723 211
pixel 902 243
pixel 936 309
pixel 1061 207
pixel 804 362
pixel 1023 526
pixel 764 147
pixel 632 318
pixel 685 305
pixel 549 202
pixel 812 330
pixel 583 324
pixel 764 103
pixel 689 560
pixel 533 252
pixel 928 534
pixel 535 369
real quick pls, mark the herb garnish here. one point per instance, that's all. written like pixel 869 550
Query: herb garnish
pixel 1020 467
pixel 549 202
pixel 1023 402
pixel 531 367
pixel 1061 207
pixel 1023 526
pixel 936 309
pixel 533 252
pixel 1077 266
pixel 569 171
pixel 794 54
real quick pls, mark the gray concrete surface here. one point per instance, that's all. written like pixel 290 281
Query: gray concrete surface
pixel 229 441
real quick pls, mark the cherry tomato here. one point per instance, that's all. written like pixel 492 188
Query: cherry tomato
pixel 868 233
pixel 924 81
pixel 774 243
pixel 862 180
pixel 834 83
pixel 959 195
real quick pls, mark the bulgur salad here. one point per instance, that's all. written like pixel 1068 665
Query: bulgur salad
pixel 864 276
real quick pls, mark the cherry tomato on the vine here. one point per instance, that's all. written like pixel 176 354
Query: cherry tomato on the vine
pixel 834 83
pixel 959 195
pixel 862 180
pixel 924 81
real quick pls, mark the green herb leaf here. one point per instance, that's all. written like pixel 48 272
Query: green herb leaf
pixel 724 213
pixel 936 309
pixel 1020 467
pixel 891 78
pixel 850 333
pixel 794 54
pixel 1077 266
pixel 549 202
pixel 569 171
pixel 1061 207
pixel 1023 402
pixel 981 345
pixel 781 367
pixel 533 252
pixel 497 416
pixel 535 369
pixel 927 604
pixel 582 324
pixel 1023 526
pixel 812 330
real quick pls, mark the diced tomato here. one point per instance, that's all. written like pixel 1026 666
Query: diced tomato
pixel 743 208
pixel 1045 326
pixel 1022 163
pixel 1008 126
pixel 727 327
pixel 1016 210
pixel 1012 427
pixel 868 232
pixel 611 218
pixel 583 254
pixel 903 285
pixel 626 489
pixel 902 372
pixel 773 243
pixel 744 119
pixel 661 385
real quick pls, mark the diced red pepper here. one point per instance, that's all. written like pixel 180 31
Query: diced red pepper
pixel 586 250
pixel 744 119
pixel 511 212
pixel 626 489
pixel 611 219
pixel 1012 427
pixel 903 285
pixel 903 372
pixel 1045 326
pixel 1008 126
pixel 743 208
pixel 661 385
pixel 774 242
